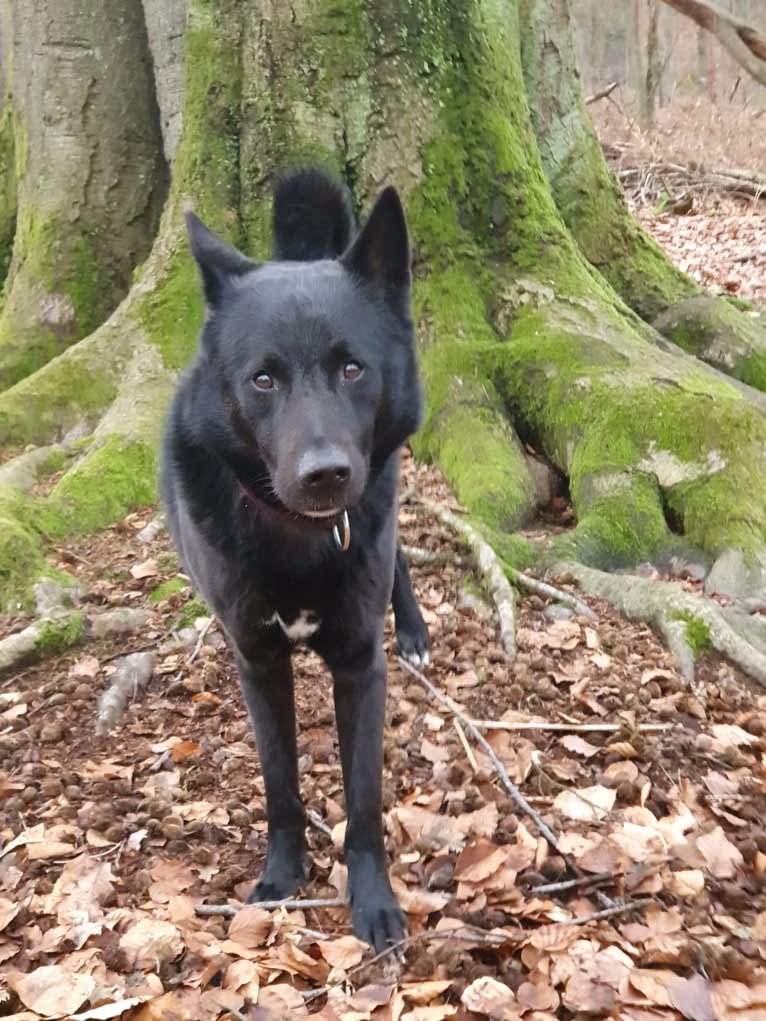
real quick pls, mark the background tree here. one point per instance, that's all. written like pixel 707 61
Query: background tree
pixel 534 290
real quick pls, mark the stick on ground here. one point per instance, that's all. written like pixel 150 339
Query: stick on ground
pixel 521 802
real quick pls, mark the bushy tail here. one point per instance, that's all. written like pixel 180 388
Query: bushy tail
pixel 313 216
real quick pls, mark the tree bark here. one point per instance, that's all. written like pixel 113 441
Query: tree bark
pixel 520 336
pixel 90 174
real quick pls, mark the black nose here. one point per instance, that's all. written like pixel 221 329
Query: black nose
pixel 324 475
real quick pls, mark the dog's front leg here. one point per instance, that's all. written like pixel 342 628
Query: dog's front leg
pixel 267 684
pixel 360 695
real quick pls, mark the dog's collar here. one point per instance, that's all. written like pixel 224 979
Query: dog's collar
pixel 340 525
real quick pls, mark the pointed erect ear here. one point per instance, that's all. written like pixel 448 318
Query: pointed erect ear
pixel 218 261
pixel 381 252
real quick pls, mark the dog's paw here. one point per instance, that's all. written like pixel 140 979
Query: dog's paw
pixel 379 921
pixel 413 642
pixel 278 883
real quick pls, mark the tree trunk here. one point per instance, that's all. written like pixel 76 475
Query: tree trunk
pixel 520 336
pixel 594 209
pixel 91 177
pixel 653 62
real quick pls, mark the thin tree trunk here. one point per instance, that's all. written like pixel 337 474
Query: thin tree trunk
pixel 653 63
pixel 90 172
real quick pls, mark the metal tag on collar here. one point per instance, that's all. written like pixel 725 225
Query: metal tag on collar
pixel 342 535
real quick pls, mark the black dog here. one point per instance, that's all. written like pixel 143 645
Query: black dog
pixel 280 475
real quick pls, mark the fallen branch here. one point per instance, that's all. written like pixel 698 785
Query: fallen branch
pixel 602 93
pixel 290 904
pixel 466 747
pixel 573 728
pixel 617 909
pixel 746 44
pixel 202 635
pixel 542 588
pixel 64 629
pixel 521 803
pixel 579 883
pixel 500 589
pixel 737 635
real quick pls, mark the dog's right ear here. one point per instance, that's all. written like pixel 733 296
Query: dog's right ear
pixel 218 261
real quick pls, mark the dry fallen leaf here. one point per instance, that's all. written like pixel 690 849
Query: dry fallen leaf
pixel 721 856
pixel 250 927
pixel 183 750
pixel 734 1001
pixel 585 803
pixel 578 746
pixel 486 995
pixel 691 996
pixel 147 569
pixel 151 942
pixel 53 991
pixel 344 952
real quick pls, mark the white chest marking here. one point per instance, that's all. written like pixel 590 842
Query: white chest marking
pixel 303 627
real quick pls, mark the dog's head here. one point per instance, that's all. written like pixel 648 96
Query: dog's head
pixel 313 363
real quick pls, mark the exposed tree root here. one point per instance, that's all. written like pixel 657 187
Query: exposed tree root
pixel 502 593
pixel 63 629
pixel 683 619
pixel 129 680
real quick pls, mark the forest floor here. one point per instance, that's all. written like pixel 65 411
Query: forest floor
pixel 655 789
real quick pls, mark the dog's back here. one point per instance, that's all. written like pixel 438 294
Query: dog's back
pixel 313 217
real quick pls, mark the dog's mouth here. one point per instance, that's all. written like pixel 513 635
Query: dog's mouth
pixel 333 512
pixel 321 518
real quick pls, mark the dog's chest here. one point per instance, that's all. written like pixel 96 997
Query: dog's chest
pixel 301 628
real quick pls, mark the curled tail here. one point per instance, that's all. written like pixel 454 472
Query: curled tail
pixel 313 216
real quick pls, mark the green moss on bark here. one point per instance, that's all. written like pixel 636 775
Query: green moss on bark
pixel 109 481
pixel 70 390
pixel 7 189
pixel 58 635
pixel 713 330
pixel 626 424
pixel 21 557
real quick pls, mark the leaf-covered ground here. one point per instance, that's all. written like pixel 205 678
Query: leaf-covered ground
pixel 656 792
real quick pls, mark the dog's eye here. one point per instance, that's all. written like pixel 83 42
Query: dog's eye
pixel 352 370
pixel 263 381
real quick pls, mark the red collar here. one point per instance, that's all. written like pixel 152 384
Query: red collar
pixel 279 510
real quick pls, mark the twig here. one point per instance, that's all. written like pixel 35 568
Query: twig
pixel 466 933
pixel 577 728
pixel 291 904
pixel 542 588
pixel 570 884
pixel 602 93
pixel 200 640
pixel 466 747
pixel 509 785
pixel 491 568
pixel 617 909
pixel 318 823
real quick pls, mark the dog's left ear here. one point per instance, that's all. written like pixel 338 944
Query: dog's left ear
pixel 380 254
pixel 218 261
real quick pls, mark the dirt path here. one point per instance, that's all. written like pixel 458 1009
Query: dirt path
pixel 108 843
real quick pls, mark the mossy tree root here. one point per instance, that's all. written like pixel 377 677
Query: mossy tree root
pixel 691 623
